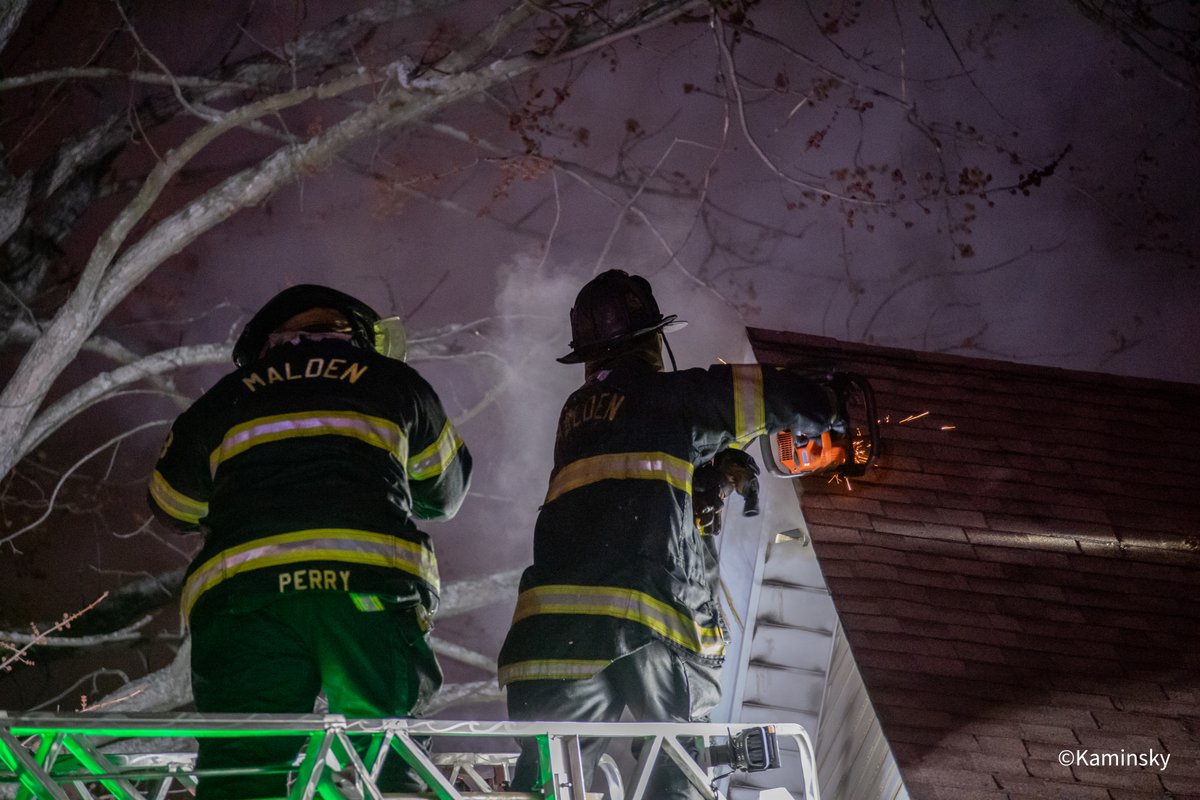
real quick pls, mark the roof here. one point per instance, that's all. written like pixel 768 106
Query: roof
pixel 1017 575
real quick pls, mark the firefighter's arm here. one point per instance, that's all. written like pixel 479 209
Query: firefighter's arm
pixel 799 402
pixel 181 483
pixel 439 464
pixel 744 401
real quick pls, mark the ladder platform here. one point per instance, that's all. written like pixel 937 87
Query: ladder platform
pixel 146 756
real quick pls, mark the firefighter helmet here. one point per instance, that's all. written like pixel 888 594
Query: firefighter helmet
pixel 365 326
pixel 610 311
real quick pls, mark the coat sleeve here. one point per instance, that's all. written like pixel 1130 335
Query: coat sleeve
pixel 182 483
pixel 736 403
pixel 439 464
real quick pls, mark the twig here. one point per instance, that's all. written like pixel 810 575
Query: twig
pixel 58 487
pixel 17 654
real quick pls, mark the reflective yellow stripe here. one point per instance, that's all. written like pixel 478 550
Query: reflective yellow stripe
pixel 749 414
pixel 630 604
pixel 322 544
pixel 551 669
pixel 643 466
pixel 433 460
pixel 376 431
pixel 174 502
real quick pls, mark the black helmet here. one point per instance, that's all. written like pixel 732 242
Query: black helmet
pixel 292 301
pixel 611 310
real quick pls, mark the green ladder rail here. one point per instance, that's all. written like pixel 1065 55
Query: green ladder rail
pixel 148 756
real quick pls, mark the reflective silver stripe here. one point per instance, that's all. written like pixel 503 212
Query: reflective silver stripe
pixel 433 460
pixel 621 466
pixel 551 669
pixel 376 431
pixel 176 503
pixel 621 603
pixel 321 544
pixel 749 414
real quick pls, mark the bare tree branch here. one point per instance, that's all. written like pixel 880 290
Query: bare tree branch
pixel 468 595
pixel 107 278
pixel 106 383
pixel 11 13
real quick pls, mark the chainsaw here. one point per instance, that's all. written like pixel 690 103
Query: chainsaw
pixel 846 451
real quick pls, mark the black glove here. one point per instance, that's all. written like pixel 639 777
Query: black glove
pixel 729 471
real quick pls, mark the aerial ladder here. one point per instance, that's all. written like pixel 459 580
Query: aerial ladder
pixel 152 756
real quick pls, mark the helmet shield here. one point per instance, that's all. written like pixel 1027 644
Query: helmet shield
pixel 295 300
pixel 610 311
pixel 391 338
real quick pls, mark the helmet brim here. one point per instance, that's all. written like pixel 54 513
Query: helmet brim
pixel 593 352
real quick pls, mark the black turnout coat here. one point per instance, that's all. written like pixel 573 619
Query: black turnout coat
pixel 305 471
pixel 617 559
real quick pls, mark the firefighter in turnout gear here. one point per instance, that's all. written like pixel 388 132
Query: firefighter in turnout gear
pixel 304 469
pixel 620 606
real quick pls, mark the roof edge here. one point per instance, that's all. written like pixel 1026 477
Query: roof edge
pixel 760 337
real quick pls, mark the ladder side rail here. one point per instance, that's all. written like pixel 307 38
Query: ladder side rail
pixel 85 793
pixel 309 775
pixel 163 788
pixel 418 759
pixel 472 777
pixel 28 771
pixel 35 780
pixel 381 745
pixel 808 760
pixel 48 749
pixel 651 747
pixel 100 767
pixel 360 769
pixel 695 774
pixel 571 778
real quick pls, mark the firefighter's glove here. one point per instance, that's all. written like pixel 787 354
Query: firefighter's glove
pixel 739 473
pixel 729 471
pixel 708 498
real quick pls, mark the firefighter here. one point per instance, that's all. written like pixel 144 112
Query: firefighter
pixel 619 609
pixel 304 470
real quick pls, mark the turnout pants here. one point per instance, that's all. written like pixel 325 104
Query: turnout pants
pixel 654 682
pixel 277 653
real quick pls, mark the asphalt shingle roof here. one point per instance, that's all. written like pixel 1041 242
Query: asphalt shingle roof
pixel 1019 575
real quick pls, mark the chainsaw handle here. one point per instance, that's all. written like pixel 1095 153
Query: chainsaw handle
pixel 859 383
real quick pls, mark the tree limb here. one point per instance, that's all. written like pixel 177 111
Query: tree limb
pixel 107 278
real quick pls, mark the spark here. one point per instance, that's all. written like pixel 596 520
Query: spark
pixel 838 480
pixel 913 417
pixel 948 427
pixel 862 448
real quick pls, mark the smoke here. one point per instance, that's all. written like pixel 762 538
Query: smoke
pixel 533 304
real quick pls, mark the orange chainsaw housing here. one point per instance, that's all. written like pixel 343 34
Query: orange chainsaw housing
pixel 812 456
pixel 848 450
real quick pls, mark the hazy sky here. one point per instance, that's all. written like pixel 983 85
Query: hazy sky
pixel 656 162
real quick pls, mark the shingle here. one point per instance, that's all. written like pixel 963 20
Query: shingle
pixel 922 530
pixel 1038 787
pixel 1130 794
pixel 926 790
